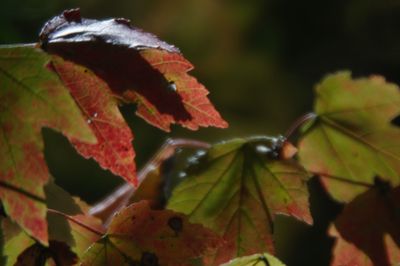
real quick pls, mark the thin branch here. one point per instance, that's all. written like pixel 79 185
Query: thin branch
pixel 17 45
pixel 118 199
pixel 72 219
pixel 298 123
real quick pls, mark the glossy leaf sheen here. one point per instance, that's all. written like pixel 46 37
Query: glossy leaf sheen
pixel 352 140
pixel 31 97
pixel 137 68
pixel 236 189
pixel 113 149
pixel 139 234
pixel 368 230
pixel 69 27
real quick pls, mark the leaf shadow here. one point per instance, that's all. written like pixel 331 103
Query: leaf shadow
pixel 299 244
pixel 124 69
pixel 368 218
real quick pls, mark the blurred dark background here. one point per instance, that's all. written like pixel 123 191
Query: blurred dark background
pixel 259 59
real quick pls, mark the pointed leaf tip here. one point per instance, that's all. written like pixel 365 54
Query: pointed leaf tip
pixel 137 67
pixel 353 140
pixel 139 235
pixel 32 97
pixel 237 188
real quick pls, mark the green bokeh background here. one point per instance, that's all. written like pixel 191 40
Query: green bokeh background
pixel 259 59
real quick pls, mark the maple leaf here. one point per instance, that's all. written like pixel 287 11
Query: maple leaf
pixel 237 188
pixel 57 199
pixel 174 68
pixel 20 249
pixel 31 97
pixel 84 236
pixel 352 140
pixel 368 230
pixel 137 66
pixel 255 260
pixel 69 220
pixel 151 237
pixel 15 241
pixel 113 149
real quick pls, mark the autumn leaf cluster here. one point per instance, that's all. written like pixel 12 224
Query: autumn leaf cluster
pixel 223 211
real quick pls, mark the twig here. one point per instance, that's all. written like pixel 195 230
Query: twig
pixel 72 219
pixel 299 122
pixel 118 199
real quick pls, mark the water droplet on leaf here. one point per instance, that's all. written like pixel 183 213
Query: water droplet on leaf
pixel 172 86
pixel 182 175
pixel 262 149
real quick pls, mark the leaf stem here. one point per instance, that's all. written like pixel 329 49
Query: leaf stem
pixel 72 219
pixel 114 202
pixel 17 45
pixel 299 122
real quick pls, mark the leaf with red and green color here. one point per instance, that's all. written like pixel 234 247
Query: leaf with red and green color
pixel 352 139
pixel 21 249
pixel 174 67
pixel 113 149
pixel 84 236
pixel 137 67
pixel 59 200
pixel 255 260
pixel 368 229
pixel 237 188
pixel 151 237
pixel 31 97
pixel 15 241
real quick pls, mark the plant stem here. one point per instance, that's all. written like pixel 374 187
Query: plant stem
pixel 118 199
pixel 299 122
pixel 72 219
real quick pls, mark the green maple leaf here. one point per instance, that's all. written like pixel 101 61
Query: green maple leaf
pixel 352 139
pixel 31 97
pixel 237 188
